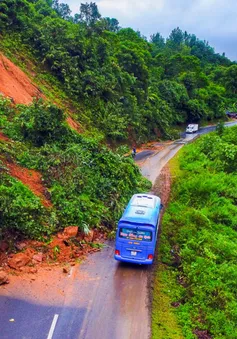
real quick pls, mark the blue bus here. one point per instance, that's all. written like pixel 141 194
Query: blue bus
pixel 137 230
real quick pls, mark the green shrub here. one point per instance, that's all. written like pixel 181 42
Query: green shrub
pixel 199 235
pixel 22 212
pixel 88 183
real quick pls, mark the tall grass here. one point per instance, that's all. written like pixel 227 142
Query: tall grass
pixel 199 237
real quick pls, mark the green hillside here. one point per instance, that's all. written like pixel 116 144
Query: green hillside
pixel 197 268
pixel 126 87
pixel 119 87
pixel 121 90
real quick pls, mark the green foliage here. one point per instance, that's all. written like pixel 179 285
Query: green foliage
pixel 175 94
pixel 22 212
pixel 220 128
pixel 176 39
pixel 230 77
pixel 196 110
pixel 113 73
pixel 41 123
pixel 157 40
pixel 89 13
pixel 62 9
pixel 198 239
pixel 112 24
pixel 89 185
pixel 164 321
pixel 122 89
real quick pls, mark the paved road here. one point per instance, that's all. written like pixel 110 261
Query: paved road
pixel 152 166
pixel 208 129
pixel 107 301
pixel 144 154
pixel 100 299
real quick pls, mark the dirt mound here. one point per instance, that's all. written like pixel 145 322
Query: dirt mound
pixel 15 84
pixel 32 179
pixel 64 248
pixel 162 186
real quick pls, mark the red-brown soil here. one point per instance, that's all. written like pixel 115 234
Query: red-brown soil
pixel 4 137
pixel 153 146
pixel 30 178
pixel 15 84
pixel 74 125
pixel 162 185
pixel 62 250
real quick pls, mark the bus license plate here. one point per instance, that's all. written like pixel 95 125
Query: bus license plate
pixel 133 253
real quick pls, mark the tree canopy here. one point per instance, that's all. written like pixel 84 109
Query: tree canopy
pixel 114 72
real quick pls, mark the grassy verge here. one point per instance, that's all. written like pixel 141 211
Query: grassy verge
pixel 198 246
pixel 164 318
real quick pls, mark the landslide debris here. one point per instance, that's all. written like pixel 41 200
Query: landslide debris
pixel 66 248
pixel 15 84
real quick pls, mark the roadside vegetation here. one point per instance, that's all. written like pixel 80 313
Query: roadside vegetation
pixel 198 246
pixel 119 87
pixel 128 88
pixel 122 89
pixel 87 183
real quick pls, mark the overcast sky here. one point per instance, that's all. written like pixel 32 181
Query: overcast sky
pixel 211 20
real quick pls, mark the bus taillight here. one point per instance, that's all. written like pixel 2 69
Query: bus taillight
pixel 117 252
pixel 150 256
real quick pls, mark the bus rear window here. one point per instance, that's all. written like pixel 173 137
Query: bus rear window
pixel 133 234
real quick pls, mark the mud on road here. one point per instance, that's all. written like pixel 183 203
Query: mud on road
pixel 99 299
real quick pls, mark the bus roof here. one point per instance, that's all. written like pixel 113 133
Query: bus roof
pixel 142 209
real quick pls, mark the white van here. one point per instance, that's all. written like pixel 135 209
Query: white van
pixel 192 128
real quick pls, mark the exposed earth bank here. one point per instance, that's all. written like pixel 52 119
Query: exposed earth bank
pixel 15 84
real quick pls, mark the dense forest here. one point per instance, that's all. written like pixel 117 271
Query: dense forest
pixel 119 87
pixel 126 87
pixel 87 184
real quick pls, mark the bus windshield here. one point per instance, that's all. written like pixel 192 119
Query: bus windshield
pixel 135 234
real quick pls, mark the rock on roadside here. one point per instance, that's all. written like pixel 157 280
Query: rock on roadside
pixel 20 246
pixel 18 260
pixel 4 278
pixel 38 257
pixel 70 232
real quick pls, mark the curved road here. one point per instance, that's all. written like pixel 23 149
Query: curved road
pixel 99 299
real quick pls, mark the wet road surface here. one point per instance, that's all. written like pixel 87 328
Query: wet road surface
pixel 99 299
pixel 102 299
pixel 208 129
pixel 144 154
pixel 117 304
pixel 153 165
